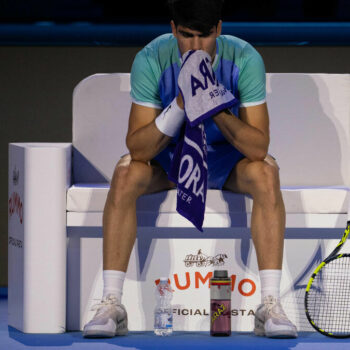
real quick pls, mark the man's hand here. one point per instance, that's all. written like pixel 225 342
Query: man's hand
pixel 249 133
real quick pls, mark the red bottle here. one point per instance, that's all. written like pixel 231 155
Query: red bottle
pixel 220 304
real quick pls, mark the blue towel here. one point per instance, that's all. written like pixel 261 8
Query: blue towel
pixel 203 97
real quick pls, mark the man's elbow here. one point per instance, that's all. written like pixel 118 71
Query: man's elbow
pixel 138 155
pixel 260 154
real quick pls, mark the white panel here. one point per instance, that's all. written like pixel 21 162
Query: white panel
pixel 16 244
pixel 309 116
pixel 101 107
pixel 309 127
pixel 180 261
pixel 45 180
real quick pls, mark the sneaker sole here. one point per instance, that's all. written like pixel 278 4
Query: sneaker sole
pixel 98 334
pixel 259 330
pixel 104 334
pixel 279 334
pixel 122 329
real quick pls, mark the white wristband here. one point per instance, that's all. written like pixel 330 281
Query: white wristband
pixel 170 120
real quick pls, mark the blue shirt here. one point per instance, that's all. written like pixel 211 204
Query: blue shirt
pixel 237 65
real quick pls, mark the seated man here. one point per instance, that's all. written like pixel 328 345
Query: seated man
pixel 238 160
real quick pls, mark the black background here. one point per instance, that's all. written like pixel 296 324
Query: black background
pixel 113 11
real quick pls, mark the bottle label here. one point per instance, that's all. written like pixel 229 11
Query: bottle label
pixel 220 315
pixel 163 320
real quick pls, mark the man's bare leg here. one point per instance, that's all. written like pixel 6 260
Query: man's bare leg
pixel 130 180
pixel 261 181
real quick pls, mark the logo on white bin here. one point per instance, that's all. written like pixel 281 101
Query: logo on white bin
pixel 15 176
pixel 201 260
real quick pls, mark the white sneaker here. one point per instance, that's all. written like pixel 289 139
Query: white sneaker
pixel 110 319
pixel 272 322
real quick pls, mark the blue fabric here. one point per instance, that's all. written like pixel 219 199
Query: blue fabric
pixel 221 159
pixel 189 171
pixel 237 66
pixel 203 97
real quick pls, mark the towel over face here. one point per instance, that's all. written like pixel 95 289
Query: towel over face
pixel 203 97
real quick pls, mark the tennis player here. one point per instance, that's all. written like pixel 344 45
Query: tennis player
pixel 238 159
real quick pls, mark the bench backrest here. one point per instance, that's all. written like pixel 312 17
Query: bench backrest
pixel 309 125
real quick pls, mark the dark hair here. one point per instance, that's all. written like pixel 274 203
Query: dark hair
pixel 199 15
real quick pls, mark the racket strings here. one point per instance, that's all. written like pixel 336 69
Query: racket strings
pixel 329 297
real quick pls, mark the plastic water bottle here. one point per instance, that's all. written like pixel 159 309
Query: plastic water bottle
pixel 163 313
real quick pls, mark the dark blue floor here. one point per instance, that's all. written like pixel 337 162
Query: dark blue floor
pixel 13 339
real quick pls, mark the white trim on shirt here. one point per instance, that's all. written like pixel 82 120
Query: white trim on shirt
pixel 250 104
pixel 146 104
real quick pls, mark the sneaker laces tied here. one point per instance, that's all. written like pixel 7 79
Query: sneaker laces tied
pixel 108 300
pixel 274 307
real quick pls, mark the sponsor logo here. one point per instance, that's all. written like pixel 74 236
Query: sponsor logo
pixel 202 82
pixel 221 310
pixel 205 312
pixel 15 242
pixel 15 176
pixel 192 175
pixel 245 287
pixel 201 260
pixel 16 206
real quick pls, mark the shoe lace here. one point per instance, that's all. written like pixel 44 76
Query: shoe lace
pixel 108 300
pixel 274 307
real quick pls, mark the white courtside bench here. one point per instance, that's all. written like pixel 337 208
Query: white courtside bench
pixel 57 192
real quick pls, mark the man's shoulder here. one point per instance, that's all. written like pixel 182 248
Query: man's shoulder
pixel 232 41
pixel 162 45
pixel 159 54
pixel 235 49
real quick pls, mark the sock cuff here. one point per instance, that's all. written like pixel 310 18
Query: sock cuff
pixel 113 282
pixel 270 283
pixel 114 273
pixel 269 273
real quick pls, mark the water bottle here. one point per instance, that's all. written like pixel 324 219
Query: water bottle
pixel 163 313
pixel 220 304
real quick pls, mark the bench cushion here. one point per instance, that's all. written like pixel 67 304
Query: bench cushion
pixel 92 197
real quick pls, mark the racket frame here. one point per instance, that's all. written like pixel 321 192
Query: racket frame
pixel 332 256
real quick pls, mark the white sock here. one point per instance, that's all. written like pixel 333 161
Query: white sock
pixel 113 282
pixel 270 283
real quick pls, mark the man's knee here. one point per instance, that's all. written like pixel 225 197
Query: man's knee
pixel 264 179
pixel 130 179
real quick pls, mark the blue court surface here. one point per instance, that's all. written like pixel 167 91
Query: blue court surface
pixel 10 339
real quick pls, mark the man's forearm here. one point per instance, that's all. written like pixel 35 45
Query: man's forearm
pixel 250 141
pixel 145 143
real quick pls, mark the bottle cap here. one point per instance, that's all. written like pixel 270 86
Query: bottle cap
pixel 220 274
pixel 164 279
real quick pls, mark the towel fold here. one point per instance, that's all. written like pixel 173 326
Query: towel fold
pixel 202 93
pixel 203 97
pixel 189 170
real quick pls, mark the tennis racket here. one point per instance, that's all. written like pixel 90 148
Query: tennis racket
pixel 327 295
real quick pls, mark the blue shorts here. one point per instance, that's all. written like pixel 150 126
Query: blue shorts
pixel 222 158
